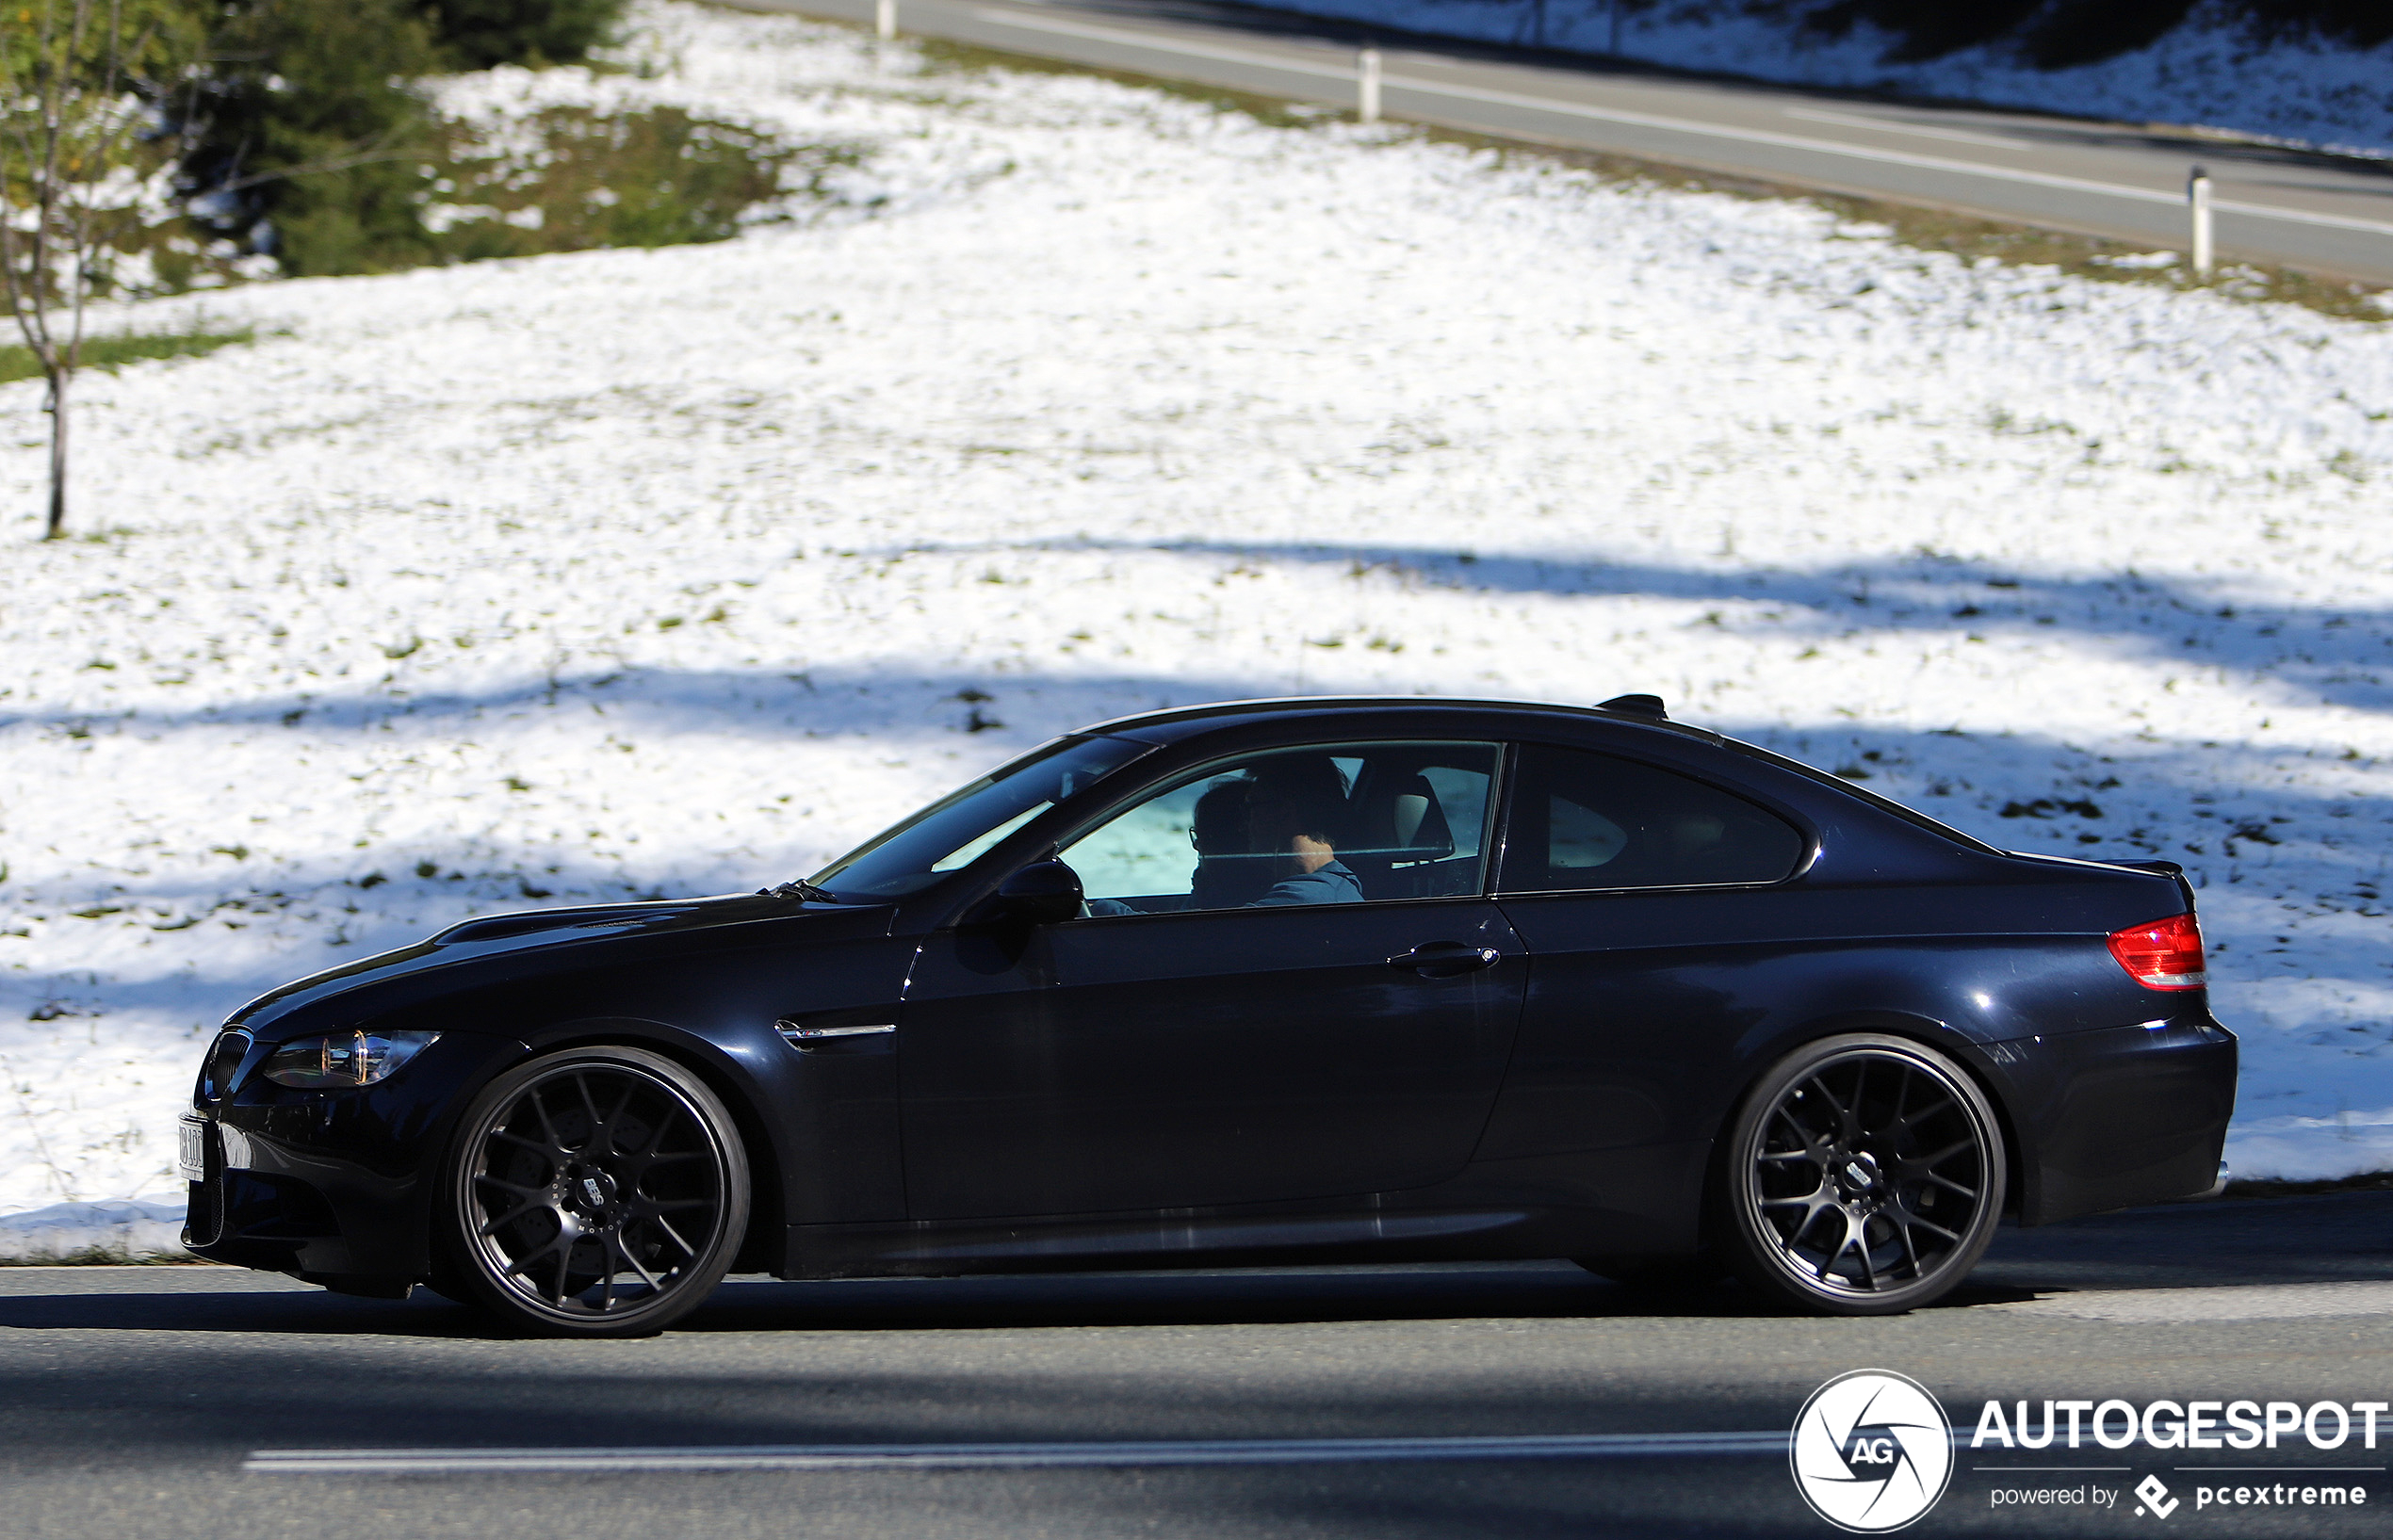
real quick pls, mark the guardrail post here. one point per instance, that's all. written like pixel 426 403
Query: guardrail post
pixel 885 19
pixel 1367 85
pixel 2198 198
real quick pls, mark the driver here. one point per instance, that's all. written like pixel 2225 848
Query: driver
pixel 1299 826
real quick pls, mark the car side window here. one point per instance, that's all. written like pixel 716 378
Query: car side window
pixel 1589 821
pixel 1329 823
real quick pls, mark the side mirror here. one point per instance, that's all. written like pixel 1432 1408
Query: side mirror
pixel 1042 893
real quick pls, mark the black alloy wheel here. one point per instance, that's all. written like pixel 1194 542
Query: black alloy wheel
pixel 1864 1176
pixel 594 1193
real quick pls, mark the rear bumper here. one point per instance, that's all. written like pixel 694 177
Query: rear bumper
pixel 2116 1117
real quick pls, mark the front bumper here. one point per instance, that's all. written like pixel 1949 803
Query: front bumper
pixel 331 1186
pixel 2116 1117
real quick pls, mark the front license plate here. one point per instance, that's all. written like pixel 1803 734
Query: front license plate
pixel 190 1149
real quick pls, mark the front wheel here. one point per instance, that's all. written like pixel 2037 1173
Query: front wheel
pixel 1864 1176
pixel 594 1193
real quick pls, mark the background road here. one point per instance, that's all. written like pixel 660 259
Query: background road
pixel 131 1398
pixel 2322 213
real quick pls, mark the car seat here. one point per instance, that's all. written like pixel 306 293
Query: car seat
pixel 1403 828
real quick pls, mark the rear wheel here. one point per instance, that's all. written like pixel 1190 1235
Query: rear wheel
pixel 596 1192
pixel 1864 1176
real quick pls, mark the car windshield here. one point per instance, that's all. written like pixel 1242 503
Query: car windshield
pixel 951 832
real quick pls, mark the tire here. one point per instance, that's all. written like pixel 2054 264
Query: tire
pixel 594 1193
pixel 1862 1176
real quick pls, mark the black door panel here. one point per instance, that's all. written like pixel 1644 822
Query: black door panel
pixel 1188 1059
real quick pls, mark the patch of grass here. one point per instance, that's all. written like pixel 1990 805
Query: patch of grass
pixel 113 352
pixel 2104 261
pixel 571 179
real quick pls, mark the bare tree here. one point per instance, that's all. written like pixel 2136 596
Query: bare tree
pixel 83 160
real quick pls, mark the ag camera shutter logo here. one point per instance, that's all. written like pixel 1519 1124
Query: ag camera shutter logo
pixel 1871 1452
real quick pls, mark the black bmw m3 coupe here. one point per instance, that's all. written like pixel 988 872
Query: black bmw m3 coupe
pixel 1282 981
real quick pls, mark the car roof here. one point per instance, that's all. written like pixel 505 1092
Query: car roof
pixel 1171 726
pixel 1438 713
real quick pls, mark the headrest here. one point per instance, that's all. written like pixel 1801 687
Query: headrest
pixel 1408 823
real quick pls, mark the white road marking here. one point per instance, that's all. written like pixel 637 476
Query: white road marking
pixel 2245 1301
pixel 2295 216
pixel 1681 125
pixel 1205 1452
pixel 1886 126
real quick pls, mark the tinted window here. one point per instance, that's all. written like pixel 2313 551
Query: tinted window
pixel 1589 821
pixel 1400 820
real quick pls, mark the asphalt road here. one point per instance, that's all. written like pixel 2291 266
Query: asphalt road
pixel 2322 213
pixel 196 1402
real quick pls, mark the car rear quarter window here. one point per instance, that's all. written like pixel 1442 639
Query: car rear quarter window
pixel 1591 821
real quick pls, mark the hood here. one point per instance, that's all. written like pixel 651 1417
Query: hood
pixel 502 936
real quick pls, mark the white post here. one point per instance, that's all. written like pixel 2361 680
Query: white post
pixel 1367 85
pixel 885 19
pixel 2198 195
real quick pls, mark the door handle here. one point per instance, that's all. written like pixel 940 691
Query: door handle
pixel 1446 959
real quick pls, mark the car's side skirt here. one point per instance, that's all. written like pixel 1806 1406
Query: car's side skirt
pixel 1597 1203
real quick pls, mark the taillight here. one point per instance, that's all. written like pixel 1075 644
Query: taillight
pixel 2163 953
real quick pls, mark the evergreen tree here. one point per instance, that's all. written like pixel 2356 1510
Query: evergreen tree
pixel 2056 34
pixel 477 34
pixel 311 134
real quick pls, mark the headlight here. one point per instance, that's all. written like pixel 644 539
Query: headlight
pixel 342 1060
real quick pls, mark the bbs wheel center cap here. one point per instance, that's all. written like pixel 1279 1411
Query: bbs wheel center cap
pixel 1858 1175
pixel 589 1192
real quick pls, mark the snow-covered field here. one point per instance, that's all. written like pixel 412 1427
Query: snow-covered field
pixel 679 570
pixel 2211 71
